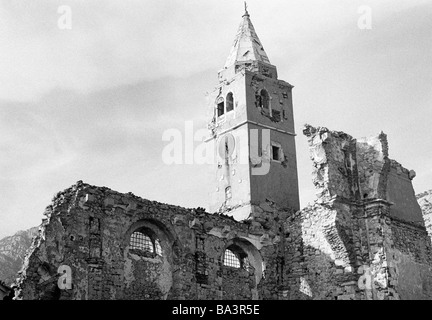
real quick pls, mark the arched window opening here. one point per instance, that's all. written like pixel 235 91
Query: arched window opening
pixel 242 261
pixel 145 242
pixel 264 99
pixel 231 259
pixel 235 257
pixel 229 102
pixel 220 107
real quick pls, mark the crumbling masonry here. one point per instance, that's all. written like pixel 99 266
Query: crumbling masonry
pixel 364 237
pixel 358 227
pixel 89 229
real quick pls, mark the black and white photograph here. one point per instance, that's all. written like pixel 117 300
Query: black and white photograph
pixel 218 155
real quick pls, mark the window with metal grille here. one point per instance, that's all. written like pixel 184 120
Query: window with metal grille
pixel 231 260
pixel 141 241
pixel 145 242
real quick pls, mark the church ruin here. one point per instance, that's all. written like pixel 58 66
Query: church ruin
pixel 364 238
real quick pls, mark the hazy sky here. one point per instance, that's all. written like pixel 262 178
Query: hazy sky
pixel 91 102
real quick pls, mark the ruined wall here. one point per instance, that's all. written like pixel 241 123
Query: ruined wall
pixel 319 245
pixel 363 238
pixel 411 261
pixel 355 170
pixel 373 164
pixel 333 155
pixel 349 244
pixel 340 248
pixel 88 229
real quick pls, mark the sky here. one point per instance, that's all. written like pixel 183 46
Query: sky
pixel 87 90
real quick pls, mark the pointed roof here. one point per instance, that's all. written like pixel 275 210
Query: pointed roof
pixel 247 46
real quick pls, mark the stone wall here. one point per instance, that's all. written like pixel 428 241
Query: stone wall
pixel 349 244
pixel 89 228
pixel 411 262
pixel 363 238
pixel 333 155
pixel 401 193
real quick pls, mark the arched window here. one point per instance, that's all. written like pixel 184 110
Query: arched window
pixel 231 259
pixel 264 99
pixel 220 107
pixel 235 257
pixel 145 242
pixel 229 102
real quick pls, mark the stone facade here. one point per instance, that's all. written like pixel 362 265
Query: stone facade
pixel 353 244
pixel 348 245
pixel 364 238
pixel 89 228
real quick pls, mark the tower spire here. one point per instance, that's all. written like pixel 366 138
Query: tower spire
pixel 247 46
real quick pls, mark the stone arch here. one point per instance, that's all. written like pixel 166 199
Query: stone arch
pixel 148 276
pixel 236 277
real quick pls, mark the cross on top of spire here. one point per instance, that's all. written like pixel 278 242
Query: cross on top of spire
pixel 246 12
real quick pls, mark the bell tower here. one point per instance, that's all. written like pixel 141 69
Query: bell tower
pixel 252 129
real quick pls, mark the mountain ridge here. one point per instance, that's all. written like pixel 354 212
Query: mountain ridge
pixel 12 252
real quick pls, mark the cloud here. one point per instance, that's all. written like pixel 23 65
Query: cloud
pixel 110 44
pixel 114 43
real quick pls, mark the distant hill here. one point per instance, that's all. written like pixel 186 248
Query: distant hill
pixel 12 253
pixel 425 201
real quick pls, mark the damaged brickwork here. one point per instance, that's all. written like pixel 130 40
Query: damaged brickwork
pixel 352 243
pixel 89 229
pixel 349 244
pixel 364 238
